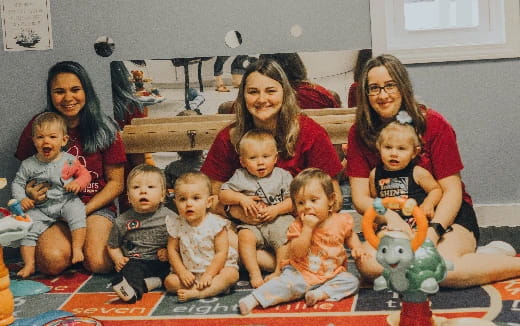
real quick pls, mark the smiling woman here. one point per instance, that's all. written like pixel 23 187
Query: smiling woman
pixel 95 142
pixel 266 100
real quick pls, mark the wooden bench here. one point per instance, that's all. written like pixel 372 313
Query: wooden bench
pixel 187 133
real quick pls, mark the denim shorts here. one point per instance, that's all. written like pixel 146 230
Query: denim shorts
pixel 105 212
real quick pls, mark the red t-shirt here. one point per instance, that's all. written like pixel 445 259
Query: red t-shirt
pixel 440 153
pixel 313 149
pixel 313 96
pixel 94 163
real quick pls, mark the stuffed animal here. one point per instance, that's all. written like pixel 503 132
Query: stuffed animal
pixel 139 80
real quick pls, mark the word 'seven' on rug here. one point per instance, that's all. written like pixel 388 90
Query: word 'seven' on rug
pixel 84 294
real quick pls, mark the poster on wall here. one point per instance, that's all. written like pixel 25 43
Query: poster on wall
pixel 26 25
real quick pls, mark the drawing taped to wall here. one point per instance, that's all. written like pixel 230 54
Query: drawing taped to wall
pixel 26 25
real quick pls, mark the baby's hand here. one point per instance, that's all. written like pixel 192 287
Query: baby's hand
pixel 187 279
pixel 72 186
pixel 120 263
pixel 267 213
pixel 27 204
pixel 249 205
pixel 310 220
pixel 204 281
pixel 428 210
pixel 162 254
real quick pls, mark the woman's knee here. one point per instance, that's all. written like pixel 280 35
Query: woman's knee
pixel 97 260
pixel 52 261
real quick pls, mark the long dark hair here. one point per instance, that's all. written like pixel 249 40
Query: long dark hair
pixel 122 95
pixel 97 130
pixel 368 122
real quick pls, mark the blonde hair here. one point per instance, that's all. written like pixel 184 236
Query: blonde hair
pixel 193 178
pixel 306 176
pixel 368 122
pixel 402 128
pixel 49 118
pixel 255 135
pixel 145 169
pixel 287 125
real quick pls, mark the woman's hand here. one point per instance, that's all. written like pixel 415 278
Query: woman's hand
pixel 249 205
pixel 396 223
pixel 428 210
pixel 267 213
pixel 37 192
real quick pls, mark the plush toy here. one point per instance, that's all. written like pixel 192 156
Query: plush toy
pixel 139 80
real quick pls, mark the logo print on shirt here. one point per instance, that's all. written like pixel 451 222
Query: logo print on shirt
pixel 133 224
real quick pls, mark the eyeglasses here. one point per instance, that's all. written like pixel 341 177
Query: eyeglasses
pixel 374 90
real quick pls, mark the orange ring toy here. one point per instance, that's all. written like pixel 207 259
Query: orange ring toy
pixel 395 203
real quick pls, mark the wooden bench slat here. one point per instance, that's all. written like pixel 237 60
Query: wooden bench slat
pixel 219 117
pixel 172 137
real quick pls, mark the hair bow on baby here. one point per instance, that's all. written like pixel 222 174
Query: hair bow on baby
pixel 403 117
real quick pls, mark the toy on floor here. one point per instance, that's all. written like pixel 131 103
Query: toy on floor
pixel 12 228
pixel 14 224
pixel 24 288
pixel 413 268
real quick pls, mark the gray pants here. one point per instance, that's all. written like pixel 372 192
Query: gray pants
pixel 46 214
pixel 291 286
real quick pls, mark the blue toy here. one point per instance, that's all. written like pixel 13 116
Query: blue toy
pixel 23 288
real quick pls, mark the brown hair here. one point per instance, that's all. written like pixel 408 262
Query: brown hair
pixel 145 169
pixel 304 178
pixel 191 178
pixel 287 126
pixel 368 122
pixel 47 118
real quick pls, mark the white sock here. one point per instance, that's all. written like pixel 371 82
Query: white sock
pixel 247 304
pixel 124 290
pixel 152 283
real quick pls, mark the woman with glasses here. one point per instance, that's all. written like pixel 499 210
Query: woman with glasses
pixel 384 90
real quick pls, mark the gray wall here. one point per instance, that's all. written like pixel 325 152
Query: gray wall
pixel 481 99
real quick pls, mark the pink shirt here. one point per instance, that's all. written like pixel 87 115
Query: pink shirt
pixel 327 256
pixel 440 153
pixel 313 149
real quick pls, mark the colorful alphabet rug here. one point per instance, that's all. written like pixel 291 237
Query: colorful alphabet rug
pixel 84 294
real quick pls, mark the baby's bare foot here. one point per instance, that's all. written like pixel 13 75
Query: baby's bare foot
pixel 187 294
pixel 256 280
pixel 77 255
pixel 26 271
pixel 313 297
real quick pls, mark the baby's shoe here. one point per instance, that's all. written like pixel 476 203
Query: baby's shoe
pixel 123 289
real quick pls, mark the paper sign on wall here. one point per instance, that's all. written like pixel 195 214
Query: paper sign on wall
pixel 26 25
